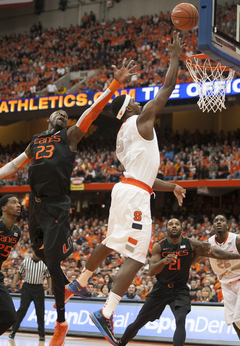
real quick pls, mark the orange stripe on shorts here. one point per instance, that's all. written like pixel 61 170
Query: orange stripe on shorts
pixel 132 241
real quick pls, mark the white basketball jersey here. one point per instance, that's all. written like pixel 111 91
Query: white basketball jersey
pixel 219 265
pixel 140 157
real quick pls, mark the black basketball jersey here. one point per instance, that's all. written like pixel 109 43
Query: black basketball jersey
pixel 178 272
pixel 8 239
pixel 50 173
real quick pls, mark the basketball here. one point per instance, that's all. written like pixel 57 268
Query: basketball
pixel 184 16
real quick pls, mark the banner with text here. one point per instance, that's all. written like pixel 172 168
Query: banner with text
pixel 181 91
pixel 14 3
pixel 204 323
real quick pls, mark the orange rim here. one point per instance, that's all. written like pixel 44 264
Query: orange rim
pixel 203 56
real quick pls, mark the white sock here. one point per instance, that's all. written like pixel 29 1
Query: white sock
pixel 111 304
pixel 84 276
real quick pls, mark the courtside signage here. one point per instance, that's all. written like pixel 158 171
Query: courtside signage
pixel 203 324
pixel 181 91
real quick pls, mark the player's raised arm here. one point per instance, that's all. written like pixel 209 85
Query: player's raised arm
pixel 147 117
pixel 17 163
pixel 76 132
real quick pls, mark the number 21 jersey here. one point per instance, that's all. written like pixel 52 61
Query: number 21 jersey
pixel 175 273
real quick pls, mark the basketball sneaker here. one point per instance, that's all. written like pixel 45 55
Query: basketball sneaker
pixel 74 288
pixel 68 295
pixel 78 290
pixel 11 335
pixel 105 326
pixel 60 332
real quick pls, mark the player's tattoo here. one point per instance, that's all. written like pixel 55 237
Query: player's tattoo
pixel 238 243
pixel 205 249
pixel 201 248
pixel 217 253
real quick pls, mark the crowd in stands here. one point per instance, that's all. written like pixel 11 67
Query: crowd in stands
pixel 88 232
pixel 195 155
pixel 31 62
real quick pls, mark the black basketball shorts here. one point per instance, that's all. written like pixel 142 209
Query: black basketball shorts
pixel 49 226
pixel 7 309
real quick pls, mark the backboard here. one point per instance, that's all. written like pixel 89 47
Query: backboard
pixel 219 31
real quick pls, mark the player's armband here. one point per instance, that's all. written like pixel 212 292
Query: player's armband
pixel 14 165
pixel 92 113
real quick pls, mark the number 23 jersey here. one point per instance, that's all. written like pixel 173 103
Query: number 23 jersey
pixel 50 173
pixel 218 266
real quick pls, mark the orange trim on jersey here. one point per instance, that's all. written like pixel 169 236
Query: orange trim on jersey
pixel 224 240
pixel 132 241
pixel 8 176
pixel 231 282
pixel 92 113
pixel 137 183
pixel 25 162
pixel 160 241
pixel 115 85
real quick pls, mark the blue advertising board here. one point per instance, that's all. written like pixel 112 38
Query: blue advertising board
pixel 181 91
pixel 205 323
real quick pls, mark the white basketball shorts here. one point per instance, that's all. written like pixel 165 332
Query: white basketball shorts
pixel 231 295
pixel 129 223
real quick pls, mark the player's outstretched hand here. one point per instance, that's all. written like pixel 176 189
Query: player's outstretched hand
pixel 171 258
pixel 225 272
pixel 180 193
pixel 125 71
pixel 175 45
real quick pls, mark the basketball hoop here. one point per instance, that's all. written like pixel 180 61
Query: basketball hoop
pixel 211 79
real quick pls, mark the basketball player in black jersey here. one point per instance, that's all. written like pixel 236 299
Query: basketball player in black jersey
pixel 9 236
pixel 170 262
pixel 53 153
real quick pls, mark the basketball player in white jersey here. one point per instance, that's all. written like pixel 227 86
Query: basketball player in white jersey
pixel 229 278
pixel 130 223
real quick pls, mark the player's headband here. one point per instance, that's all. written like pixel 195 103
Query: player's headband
pixel 122 110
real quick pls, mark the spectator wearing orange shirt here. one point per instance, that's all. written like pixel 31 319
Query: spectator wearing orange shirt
pixel 92 236
pixel 171 172
pixel 113 177
pixel 85 20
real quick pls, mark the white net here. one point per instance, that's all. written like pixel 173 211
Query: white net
pixel 211 79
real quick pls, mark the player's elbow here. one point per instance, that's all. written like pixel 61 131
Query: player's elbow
pixel 169 86
pixel 151 271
